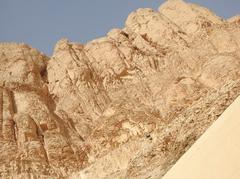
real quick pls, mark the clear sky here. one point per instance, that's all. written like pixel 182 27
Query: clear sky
pixel 41 23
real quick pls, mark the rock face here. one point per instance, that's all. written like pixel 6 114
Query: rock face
pixel 219 146
pixel 127 105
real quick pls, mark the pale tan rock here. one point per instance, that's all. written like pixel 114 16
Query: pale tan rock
pixel 220 69
pixel 127 105
pixel 219 146
pixel 190 17
pixel 155 28
pixel 234 19
pixel 76 88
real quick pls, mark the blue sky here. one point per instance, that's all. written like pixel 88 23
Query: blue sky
pixel 41 23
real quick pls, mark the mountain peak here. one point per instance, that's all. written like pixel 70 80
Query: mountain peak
pixel 188 16
pixel 126 105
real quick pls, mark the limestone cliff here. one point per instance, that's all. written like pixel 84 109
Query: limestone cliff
pixel 127 105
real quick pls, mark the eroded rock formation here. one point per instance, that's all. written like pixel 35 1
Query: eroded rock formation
pixel 127 105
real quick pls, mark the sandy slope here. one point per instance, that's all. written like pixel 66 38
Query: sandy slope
pixel 216 154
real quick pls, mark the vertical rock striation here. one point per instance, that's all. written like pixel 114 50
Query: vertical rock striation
pixel 127 105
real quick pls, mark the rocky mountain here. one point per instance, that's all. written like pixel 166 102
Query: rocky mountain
pixel 127 105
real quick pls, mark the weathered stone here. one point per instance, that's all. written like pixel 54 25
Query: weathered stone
pixel 127 105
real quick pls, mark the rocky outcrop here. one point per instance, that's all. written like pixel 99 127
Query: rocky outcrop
pixel 127 105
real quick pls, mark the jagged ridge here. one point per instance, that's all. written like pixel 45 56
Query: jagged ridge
pixel 127 105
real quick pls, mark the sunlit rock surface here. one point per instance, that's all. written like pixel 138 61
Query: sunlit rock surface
pixel 127 105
